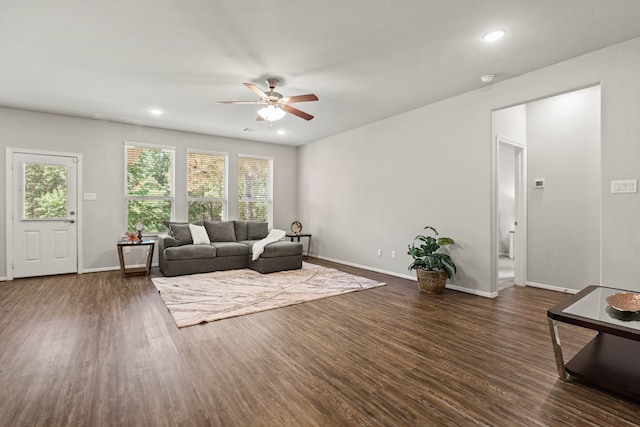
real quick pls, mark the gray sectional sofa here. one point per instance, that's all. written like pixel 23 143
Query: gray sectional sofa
pixel 230 248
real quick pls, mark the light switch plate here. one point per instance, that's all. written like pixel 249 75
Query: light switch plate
pixel 90 196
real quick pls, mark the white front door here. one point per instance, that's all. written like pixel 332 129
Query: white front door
pixel 44 214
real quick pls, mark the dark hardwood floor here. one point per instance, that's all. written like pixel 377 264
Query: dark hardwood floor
pixel 102 350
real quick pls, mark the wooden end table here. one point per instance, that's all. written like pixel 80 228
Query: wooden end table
pixel 610 359
pixel 126 271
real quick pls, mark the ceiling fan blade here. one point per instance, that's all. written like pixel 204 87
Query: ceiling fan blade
pixel 300 98
pixel 296 112
pixel 239 102
pixel 259 118
pixel 255 89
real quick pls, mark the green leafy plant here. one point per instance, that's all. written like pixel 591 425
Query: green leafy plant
pixel 426 257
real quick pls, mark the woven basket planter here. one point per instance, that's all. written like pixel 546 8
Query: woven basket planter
pixel 431 282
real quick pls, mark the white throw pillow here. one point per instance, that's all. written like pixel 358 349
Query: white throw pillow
pixel 199 234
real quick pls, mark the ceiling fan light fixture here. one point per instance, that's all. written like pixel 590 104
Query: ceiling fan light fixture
pixel 271 113
pixel 494 35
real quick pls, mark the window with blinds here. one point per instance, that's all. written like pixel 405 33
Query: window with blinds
pixel 206 186
pixel 255 189
pixel 149 186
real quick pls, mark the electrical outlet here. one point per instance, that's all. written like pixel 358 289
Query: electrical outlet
pixel 393 254
pixel 379 252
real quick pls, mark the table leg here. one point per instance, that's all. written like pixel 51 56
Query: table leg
pixel 121 258
pixel 149 258
pixel 557 350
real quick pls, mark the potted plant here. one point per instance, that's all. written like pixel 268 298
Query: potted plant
pixel 432 267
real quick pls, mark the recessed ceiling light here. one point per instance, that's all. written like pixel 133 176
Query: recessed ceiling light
pixel 155 111
pixel 494 35
pixel 281 132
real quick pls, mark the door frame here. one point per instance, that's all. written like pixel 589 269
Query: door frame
pixel 520 246
pixel 9 189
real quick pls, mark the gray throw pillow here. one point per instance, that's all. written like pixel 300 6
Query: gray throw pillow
pixel 257 230
pixel 220 231
pixel 181 233
pixel 241 230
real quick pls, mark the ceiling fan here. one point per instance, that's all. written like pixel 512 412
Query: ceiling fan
pixel 275 106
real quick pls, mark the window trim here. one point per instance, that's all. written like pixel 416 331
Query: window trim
pixel 172 199
pixel 225 200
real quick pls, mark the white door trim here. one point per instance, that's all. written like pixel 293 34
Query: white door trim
pixel 9 188
pixel 520 249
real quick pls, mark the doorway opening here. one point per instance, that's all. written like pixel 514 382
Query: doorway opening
pixel 546 214
pixel 512 211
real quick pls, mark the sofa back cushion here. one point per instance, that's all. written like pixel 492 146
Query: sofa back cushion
pixel 257 230
pixel 250 230
pixel 220 231
pixel 241 230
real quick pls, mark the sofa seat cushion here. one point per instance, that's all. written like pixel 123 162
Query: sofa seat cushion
pixel 281 248
pixel 189 252
pixel 230 248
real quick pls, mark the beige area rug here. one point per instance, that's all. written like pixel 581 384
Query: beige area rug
pixel 200 298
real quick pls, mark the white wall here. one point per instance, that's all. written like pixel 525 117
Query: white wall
pixel 378 185
pixel 101 144
pixel 563 139
pixel 510 123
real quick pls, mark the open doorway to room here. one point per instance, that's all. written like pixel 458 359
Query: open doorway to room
pixel 512 208
pixel 547 225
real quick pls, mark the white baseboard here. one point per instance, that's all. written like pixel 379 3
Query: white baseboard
pixel 97 270
pixel 407 276
pixel 552 288
pixel 473 291
pixel 101 269
pixel 365 267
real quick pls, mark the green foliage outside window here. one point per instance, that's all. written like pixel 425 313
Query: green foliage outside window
pixel 205 186
pixel 254 189
pixel 45 191
pixel 205 210
pixel 149 187
pixel 253 211
pixel 150 213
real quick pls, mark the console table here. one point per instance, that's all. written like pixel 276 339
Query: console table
pixel 149 244
pixel 610 359
pixel 293 236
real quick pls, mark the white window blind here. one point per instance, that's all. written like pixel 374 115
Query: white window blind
pixel 206 186
pixel 255 189
pixel 149 186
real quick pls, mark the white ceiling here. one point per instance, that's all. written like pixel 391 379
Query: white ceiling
pixel 365 59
